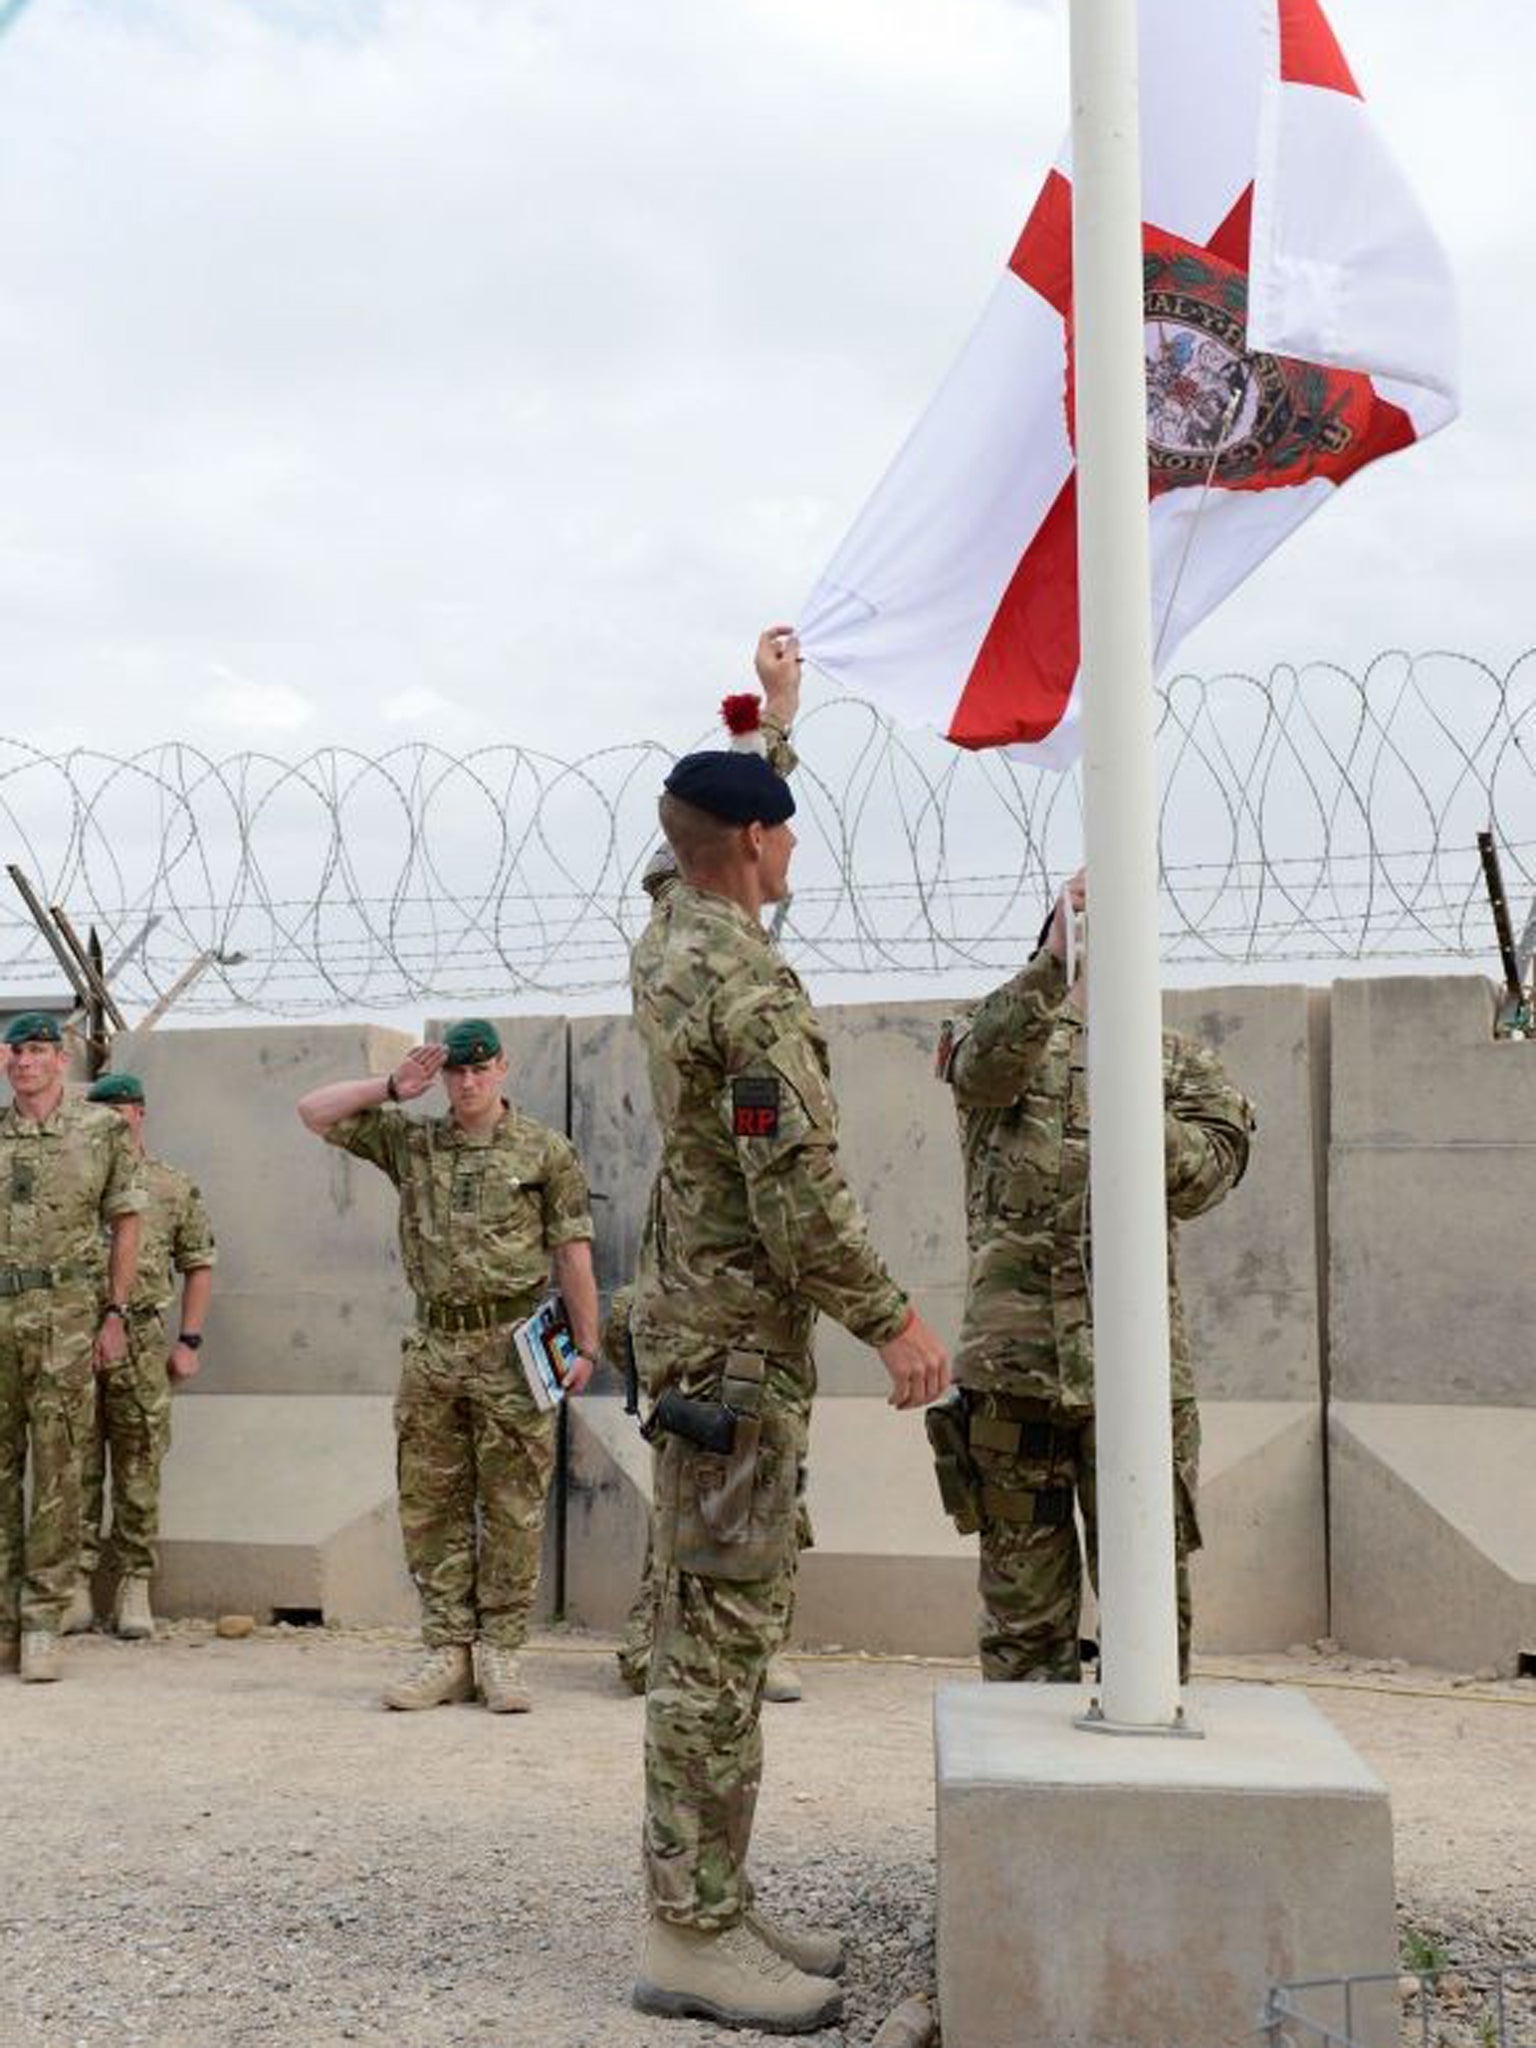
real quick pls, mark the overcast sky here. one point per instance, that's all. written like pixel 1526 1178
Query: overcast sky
pixel 491 369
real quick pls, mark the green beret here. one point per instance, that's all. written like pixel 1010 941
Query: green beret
pixel 469 1042
pixel 34 1027
pixel 116 1088
pixel 740 788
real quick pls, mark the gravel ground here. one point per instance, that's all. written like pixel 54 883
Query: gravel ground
pixel 210 1844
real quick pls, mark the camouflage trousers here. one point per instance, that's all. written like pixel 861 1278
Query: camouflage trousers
pixel 131 1426
pixel 45 1406
pixel 1031 1578
pixel 474 1455
pixel 703 1740
pixel 640 1624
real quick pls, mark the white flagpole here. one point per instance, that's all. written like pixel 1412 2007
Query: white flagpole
pixel 1125 1082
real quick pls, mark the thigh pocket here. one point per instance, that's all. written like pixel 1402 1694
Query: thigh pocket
pixel 713 1520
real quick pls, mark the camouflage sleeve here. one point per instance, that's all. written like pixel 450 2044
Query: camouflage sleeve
pixel 778 1106
pixel 616 1328
pixel 123 1192
pixel 996 1055
pixel 567 1205
pixel 1207 1125
pixel 782 758
pixel 192 1243
pixel 377 1135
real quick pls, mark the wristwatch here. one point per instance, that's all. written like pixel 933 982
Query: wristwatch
pixel 192 1339
pixel 116 1308
pixel 390 1089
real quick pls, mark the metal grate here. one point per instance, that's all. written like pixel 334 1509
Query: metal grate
pixel 1460 2005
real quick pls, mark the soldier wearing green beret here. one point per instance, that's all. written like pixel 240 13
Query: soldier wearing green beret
pixel 489 1200
pixel 68 1175
pixel 132 1421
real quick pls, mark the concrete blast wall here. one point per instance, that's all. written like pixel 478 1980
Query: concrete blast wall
pixel 1376 1243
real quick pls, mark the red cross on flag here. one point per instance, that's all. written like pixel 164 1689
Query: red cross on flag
pixel 1299 324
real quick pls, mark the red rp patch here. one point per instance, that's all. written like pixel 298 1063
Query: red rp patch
pixel 755 1106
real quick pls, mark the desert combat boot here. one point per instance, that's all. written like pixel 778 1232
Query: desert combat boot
pixel 501 1680
pixel 816 1950
pixel 781 1682
pixel 733 1978
pixel 80 1614
pixel 41 1659
pixel 130 1611
pixel 445 1675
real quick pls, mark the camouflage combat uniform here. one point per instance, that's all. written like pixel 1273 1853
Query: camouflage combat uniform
pixel 640 1623
pixel 133 1398
pixel 61 1179
pixel 1025 1357
pixel 479 1217
pixel 751 1230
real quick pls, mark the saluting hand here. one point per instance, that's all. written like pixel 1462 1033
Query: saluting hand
pixel 917 1363
pixel 417 1071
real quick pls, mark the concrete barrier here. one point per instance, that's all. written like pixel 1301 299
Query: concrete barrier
pixel 1432 1423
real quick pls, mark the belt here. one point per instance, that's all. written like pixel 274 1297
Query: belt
pixel 27 1279
pixel 458 1316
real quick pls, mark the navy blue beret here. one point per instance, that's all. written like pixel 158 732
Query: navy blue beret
pixel 739 787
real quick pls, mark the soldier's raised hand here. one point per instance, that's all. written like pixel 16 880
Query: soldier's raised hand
pixel 917 1363
pixel 777 662
pixel 1072 899
pixel 417 1071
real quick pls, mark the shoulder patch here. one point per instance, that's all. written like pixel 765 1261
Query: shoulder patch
pixel 755 1106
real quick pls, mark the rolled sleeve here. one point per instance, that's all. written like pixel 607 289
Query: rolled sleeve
pixel 377 1135
pixel 192 1242
pixel 567 1203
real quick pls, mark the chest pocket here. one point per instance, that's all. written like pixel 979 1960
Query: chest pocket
pixel 23 1180
pixel 499 1197
pixel 1076 1118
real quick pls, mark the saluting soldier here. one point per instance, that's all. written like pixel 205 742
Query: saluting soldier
pixel 132 1420
pixel 1024 1406
pixel 488 1199
pixel 68 1174
pixel 751 1229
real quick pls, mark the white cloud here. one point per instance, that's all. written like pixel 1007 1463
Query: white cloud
pixel 253 708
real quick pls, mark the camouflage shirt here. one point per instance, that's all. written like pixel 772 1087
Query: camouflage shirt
pixel 1018 1071
pixel 479 1216
pixel 752 1226
pixel 175 1235
pixel 60 1180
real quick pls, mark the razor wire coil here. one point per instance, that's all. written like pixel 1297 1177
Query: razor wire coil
pixel 1308 816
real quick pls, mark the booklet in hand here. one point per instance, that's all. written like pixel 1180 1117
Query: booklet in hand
pixel 546 1351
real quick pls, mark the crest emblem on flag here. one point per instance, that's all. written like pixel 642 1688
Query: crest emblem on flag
pixel 1299 324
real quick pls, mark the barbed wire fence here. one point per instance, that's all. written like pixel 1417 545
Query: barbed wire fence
pixel 1309 817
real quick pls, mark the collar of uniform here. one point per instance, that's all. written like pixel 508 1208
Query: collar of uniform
pixel 454 1134
pixel 711 905
pixel 44 1127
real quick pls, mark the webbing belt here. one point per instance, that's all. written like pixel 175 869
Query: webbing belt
pixel 24 1279
pixel 457 1316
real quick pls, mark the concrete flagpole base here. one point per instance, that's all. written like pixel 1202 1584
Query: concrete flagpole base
pixel 1143 1893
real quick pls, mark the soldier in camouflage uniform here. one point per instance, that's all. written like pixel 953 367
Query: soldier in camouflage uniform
pixel 67 1172
pixel 488 1200
pixel 133 1400
pixel 1024 1364
pixel 777 666
pixel 751 1229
